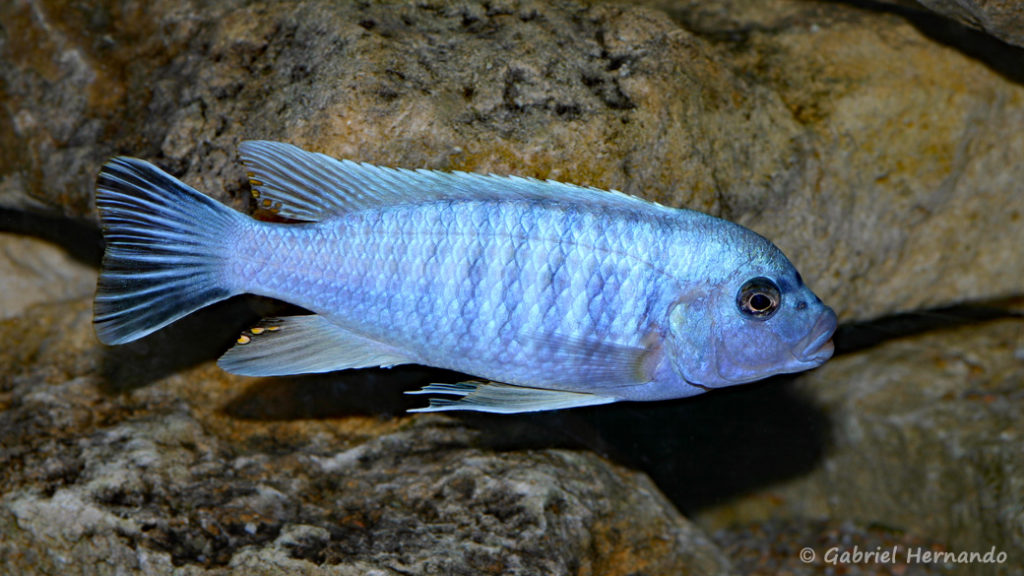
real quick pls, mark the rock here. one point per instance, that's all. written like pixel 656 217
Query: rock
pixel 1000 18
pixel 571 92
pixel 925 438
pixel 890 176
pixel 792 118
pixel 779 547
pixel 34 271
pixel 158 477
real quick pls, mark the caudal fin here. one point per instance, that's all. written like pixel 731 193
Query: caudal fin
pixel 166 245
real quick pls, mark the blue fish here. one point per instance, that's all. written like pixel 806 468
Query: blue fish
pixel 553 295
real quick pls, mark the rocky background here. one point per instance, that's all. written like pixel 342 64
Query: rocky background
pixel 879 144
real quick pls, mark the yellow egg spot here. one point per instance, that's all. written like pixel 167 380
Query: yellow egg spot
pixel 256 194
pixel 266 202
pixel 273 328
pixel 244 339
pixel 255 182
pixel 257 330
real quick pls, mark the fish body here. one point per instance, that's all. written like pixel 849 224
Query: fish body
pixel 555 295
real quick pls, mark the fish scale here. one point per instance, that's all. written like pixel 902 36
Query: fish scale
pixel 555 295
pixel 441 294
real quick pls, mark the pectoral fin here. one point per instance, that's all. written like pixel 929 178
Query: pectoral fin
pixel 595 367
pixel 303 344
pixel 501 398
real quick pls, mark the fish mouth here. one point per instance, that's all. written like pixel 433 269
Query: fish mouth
pixel 817 346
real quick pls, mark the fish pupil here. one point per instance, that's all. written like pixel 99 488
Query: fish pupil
pixel 760 302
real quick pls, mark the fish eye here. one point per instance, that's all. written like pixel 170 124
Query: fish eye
pixel 759 298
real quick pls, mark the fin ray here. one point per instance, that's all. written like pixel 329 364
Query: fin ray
pixel 609 366
pixel 311 186
pixel 499 398
pixel 305 344
pixel 165 246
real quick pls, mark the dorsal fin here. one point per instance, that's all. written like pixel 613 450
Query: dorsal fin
pixel 309 186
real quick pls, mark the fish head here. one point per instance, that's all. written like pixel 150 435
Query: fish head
pixel 758 321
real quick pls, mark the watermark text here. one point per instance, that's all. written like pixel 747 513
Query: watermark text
pixel 837 555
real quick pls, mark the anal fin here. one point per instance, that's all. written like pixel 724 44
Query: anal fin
pixel 501 398
pixel 304 344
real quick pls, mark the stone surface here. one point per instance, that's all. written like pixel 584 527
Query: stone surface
pixel 793 118
pixel 1003 19
pixel 567 91
pixel 906 147
pixel 926 438
pixel 34 271
pixel 774 547
pixel 159 477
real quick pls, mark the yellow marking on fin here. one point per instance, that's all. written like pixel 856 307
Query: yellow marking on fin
pixel 257 330
pixel 266 202
pixel 256 194
pixel 255 182
pixel 244 339
pixel 273 328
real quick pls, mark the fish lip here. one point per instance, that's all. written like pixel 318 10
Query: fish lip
pixel 817 346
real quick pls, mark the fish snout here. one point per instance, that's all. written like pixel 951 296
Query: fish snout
pixel 817 346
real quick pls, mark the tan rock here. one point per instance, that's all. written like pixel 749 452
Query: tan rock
pixel 905 197
pixel 33 271
pixel 1003 19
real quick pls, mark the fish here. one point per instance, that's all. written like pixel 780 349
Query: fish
pixel 548 295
